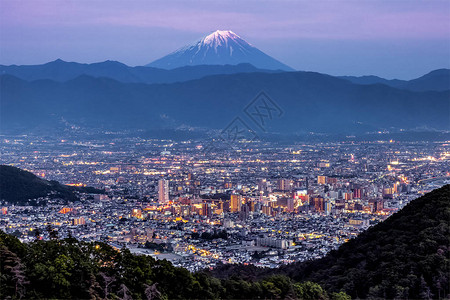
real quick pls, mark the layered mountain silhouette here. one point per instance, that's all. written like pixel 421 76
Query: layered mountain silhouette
pixel 308 102
pixel 59 70
pixel 206 85
pixel 62 71
pixel 219 48
pixel 437 80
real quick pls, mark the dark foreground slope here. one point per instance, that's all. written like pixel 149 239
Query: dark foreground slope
pixel 18 186
pixel 404 257
pixel 70 269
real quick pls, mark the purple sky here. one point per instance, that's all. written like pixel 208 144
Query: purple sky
pixel 393 39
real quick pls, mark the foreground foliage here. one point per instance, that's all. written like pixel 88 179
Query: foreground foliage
pixel 70 269
pixel 406 256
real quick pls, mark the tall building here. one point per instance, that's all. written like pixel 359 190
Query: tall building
pixel 163 191
pixel 284 184
pixel 206 209
pixel 78 221
pixel 235 203
pixel 245 212
pixel 319 204
pixel 357 193
pixel 290 205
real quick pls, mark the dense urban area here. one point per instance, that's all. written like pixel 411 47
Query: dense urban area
pixel 256 203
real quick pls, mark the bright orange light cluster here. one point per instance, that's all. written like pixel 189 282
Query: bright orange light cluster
pixel 76 184
pixel 65 210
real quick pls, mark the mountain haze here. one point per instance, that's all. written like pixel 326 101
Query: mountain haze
pixel 311 102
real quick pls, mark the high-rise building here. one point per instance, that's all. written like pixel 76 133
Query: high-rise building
pixel 284 184
pixel 319 203
pixel 347 196
pixel 206 209
pixel 235 203
pixel 245 211
pixel 290 205
pixel 163 191
pixel 78 221
pixel 357 193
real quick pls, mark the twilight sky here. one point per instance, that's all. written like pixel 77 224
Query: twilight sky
pixel 389 38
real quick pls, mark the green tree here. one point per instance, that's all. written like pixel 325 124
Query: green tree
pixel 310 291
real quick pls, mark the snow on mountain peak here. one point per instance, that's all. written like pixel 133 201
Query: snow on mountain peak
pixel 218 48
pixel 221 38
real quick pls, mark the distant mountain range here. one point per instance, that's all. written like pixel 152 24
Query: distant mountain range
pixel 19 186
pixel 59 70
pixel 437 80
pixel 219 48
pixel 62 71
pixel 309 102
pixel 204 86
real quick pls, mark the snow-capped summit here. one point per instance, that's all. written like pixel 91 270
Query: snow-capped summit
pixel 219 48
pixel 220 38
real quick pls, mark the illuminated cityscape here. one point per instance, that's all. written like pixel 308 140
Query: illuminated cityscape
pixel 263 203
pixel 268 149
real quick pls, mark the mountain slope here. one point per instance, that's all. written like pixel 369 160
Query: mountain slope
pixel 18 186
pixel 403 257
pixel 437 80
pixel 62 71
pixel 371 79
pixel 406 256
pixel 308 101
pixel 219 48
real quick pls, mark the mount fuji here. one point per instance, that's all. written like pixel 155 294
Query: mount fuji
pixel 222 47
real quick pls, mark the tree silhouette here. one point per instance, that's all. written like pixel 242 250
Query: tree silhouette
pixel 107 280
pixel 124 292
pixel 151 292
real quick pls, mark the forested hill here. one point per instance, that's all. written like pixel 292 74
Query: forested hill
pixel 71 269
pixel 404 257
pixel 18 186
